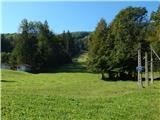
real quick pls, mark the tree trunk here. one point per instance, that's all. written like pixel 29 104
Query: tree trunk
pixel 103 76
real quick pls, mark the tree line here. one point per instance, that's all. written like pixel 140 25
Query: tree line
pixel 113 48
pixel 38 47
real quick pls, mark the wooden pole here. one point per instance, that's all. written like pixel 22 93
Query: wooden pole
pixel 146 69
pixel 139 65
pixel 151 66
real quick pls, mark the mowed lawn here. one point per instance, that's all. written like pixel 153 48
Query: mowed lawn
pixel 79 96
pixel 75 95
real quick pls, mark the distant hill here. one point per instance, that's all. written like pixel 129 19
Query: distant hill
pixel 81 39
pixel 78 35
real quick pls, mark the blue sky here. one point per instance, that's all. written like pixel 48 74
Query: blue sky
pixel 73 16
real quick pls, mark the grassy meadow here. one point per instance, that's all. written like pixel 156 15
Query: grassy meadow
pixel 71 93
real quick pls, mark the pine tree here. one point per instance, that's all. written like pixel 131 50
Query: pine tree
pixel 25 48
pixel 97 44
pixel 126 31
pixel 70 45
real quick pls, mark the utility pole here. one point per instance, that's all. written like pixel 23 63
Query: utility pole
pixel 146 69
pixel 151 66
pixel 139 66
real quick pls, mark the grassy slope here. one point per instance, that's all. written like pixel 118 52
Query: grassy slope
pixel 75 95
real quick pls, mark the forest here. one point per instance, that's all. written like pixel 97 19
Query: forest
pixel 112 48
pixel 37 46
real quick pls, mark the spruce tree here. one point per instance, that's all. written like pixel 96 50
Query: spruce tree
pixel 126 31
pixel 25 48
pixel 97 47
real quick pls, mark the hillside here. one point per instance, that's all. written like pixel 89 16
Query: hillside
pixel 81 39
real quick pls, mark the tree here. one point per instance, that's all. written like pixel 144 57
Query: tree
pixel 97 60
pixel 68 43
pixel 6 43
pixel 5 57
pixel 126 31
pixel 155 16
pixel 114 49
pixel 153 34
pixel 153 31
pixel 38 47
pixel 44 49
pixel 25 49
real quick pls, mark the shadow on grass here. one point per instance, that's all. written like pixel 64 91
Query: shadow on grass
pixel 69 68
pixel 157 78
pixel 9 81
pixel 127 79
pixel 115 80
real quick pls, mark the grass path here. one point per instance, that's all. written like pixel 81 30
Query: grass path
pixel 72 93
pixel 78 65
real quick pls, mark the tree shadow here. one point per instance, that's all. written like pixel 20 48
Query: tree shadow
pixel 158 79
pixel 69 68
pixel 115 80
pixel 127 79
pixel 9 81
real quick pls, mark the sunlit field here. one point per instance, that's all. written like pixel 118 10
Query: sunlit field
pixel 75 95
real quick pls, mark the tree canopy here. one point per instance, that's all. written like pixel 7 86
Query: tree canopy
pixel 113 49
pixel 38 47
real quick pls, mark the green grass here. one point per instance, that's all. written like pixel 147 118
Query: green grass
pixel 75 95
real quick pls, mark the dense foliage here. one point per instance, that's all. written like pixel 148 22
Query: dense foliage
pixel 5 57
pixel 36 46
pixel 7 42
pixel 155 35
pixel 97 58
pixel 113 49
pixel 77 43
